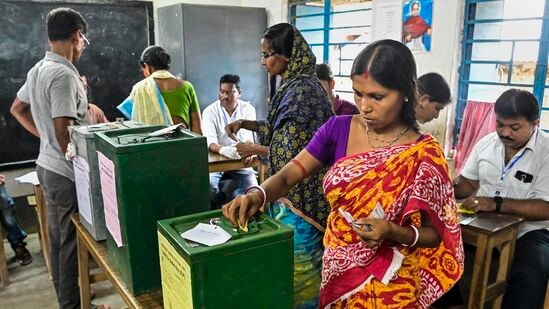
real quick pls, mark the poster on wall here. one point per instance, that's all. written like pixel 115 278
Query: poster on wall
pixel 417 18
pixel 386 19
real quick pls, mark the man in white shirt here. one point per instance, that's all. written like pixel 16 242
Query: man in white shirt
pixel 508 172
pixel 224 186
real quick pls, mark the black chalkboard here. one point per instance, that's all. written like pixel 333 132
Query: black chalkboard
pixel 118 32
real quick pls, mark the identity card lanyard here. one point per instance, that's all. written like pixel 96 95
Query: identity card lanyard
pixel 505 169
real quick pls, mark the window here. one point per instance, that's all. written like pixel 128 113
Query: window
pixel 336 30
pixel 502 48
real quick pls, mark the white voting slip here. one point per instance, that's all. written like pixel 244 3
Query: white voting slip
pixel 207 234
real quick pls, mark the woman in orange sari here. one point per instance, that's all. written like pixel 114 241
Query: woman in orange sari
pixel 392 238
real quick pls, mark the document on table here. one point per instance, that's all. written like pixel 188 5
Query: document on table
pixel 31 178
pixel 464 220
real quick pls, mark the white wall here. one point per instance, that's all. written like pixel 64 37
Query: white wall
pixel 277 10
pixel 444 58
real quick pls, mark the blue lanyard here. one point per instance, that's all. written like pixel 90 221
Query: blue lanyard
pixel 506 169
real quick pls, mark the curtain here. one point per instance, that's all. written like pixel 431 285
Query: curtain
pixel 478 121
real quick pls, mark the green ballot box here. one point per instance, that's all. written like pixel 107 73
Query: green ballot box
pixel 146 177
pixel 253 269
pixel 86 174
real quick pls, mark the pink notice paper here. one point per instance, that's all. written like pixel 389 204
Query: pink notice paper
pixel 108 190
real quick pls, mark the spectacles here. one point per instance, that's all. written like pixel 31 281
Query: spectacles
pixel 84 38
pixel 265 56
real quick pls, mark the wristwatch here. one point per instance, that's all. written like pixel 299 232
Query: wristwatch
pixel 498 200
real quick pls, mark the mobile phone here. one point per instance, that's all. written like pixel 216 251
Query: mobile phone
pixel 524 177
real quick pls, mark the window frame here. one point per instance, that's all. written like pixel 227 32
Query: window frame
pixel 539 85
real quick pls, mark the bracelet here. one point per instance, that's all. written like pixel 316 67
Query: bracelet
pixel 416 237
pixel 261 190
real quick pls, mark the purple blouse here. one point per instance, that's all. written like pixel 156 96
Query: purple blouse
pixel 329 143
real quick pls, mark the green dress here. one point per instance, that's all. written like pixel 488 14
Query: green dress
pixel 182 102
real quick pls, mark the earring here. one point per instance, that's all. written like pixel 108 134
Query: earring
pixel 406 99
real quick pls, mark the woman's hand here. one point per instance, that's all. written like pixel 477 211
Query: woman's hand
pixel 243 207
pixel 246 149
pixel 373 230
pixel 2 180
pixel 232 128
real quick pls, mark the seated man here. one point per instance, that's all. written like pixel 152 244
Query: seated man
pixel 8 218
pixel 224 186
pixel 340 106
pixel 508 172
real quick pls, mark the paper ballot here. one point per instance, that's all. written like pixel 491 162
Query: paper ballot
pixel 377 213
pixel 207 234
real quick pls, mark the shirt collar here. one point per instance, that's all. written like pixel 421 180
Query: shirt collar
pixel 531 144
pixel 532 141
pixel 51 56
pixel 235 108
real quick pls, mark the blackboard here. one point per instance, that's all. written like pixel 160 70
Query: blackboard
pixel 118 32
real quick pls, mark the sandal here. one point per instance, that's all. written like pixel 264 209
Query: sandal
pixel 22 255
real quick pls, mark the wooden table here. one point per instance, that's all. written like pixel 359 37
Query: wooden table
pixel 42 215
pixel 87 246
pixel 485 232
pixel 219 163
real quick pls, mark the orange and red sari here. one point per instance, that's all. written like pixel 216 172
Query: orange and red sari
pixel 404 180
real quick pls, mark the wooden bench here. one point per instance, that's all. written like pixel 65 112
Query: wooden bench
pixel 486 232
pixel 42 216
pixel 87 246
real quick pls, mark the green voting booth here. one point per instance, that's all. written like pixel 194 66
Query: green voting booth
pixel 147 177
pixel 254 269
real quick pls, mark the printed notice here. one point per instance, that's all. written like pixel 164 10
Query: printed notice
pixel 82 181
pixel 387 16
pixel 176 277
pixel 108 190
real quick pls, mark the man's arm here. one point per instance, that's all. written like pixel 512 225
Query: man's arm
pixel 527 209
pixel 464 187
pixel 61 125
pixel 22 113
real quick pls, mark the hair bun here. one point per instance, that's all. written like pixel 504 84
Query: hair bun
pixel 164 58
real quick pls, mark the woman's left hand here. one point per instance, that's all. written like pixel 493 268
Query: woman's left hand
pixel 373 230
